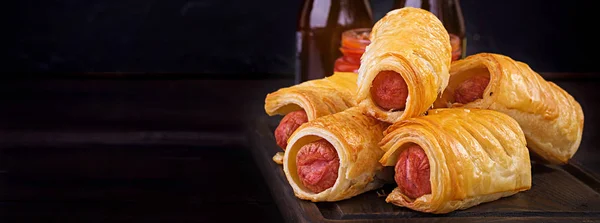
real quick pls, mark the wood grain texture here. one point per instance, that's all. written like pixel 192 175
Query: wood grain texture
pixel 167 183
pixel 77 150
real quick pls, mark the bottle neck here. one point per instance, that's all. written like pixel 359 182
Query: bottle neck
pixel 362 6
pixel 351 11
pixel 434 6
pixel 322 13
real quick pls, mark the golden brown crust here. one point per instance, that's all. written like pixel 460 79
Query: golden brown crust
pixel 475 156
pixel 415 44
pixel 550 118
pixel 355 137
pixel 316 97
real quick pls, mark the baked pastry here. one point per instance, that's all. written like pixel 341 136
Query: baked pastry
pixel 551 119
pixel 455 158
pixel 335 157
pixel 309 100
pixel 405 67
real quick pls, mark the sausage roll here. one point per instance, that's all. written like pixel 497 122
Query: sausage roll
pixel 310 100
pixel 405 67
pixel 335 157
pixel 454 159
pixel 551 119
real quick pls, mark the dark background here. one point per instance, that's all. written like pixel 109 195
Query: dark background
pixel 249 37
pixel 177 150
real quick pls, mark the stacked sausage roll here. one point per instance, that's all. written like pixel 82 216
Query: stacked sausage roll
pixel 454 159
pixel 331 148
pixel 406 65
pixel 551 118
pixel 335 157
pixel 451 136
pixel 307 101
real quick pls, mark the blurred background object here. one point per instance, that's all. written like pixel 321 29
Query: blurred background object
pixel 354 43
pixel 324 22
pixel 250 37
pixel 320 27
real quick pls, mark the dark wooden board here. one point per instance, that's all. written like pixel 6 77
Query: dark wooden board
pixel 558 194
pixel 586 93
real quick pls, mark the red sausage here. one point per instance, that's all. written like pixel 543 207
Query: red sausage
pixel 288 125
pixel 412 172
pixel 389 90
pixel 471 89
pixel 317 165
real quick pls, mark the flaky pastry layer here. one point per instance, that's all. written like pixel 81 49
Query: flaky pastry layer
pixel 354 137
pixel 414 43
pixel 551 119
pixel 474 155
pixel 317 98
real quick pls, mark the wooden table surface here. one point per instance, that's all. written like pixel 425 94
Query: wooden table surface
pixel 130 151
pixel 116 150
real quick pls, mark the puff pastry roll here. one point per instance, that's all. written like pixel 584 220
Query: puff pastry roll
pixel 405 67
pixel 551 119
pixel 454 159
pixel 335 157
pixel 309 100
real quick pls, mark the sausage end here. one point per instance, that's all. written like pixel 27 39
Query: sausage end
pixel 471 89
pixel 288 125
pixel 412 172
pixel 389 91
pixel 318 165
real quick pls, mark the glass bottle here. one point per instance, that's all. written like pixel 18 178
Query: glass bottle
pixel 318 36
pixel 449 12
pixel 354 43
